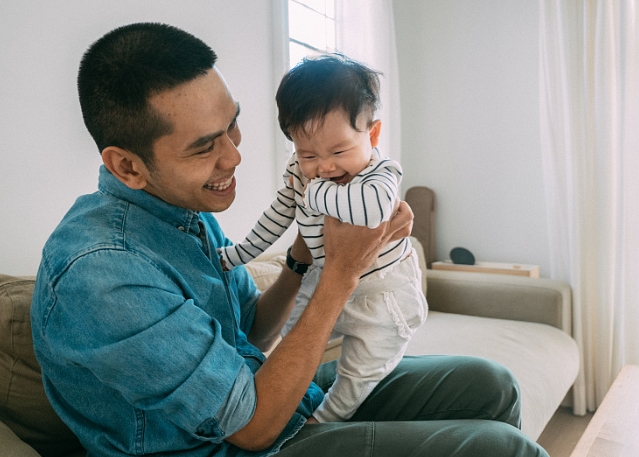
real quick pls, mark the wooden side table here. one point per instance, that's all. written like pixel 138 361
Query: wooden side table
pixel 517 269
pixel 613 431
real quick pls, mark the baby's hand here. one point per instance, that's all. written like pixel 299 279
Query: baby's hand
pixel 223 262
pixel 311 420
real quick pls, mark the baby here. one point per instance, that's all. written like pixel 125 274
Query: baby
pixel 327 108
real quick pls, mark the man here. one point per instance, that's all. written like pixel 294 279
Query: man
pixel 148 347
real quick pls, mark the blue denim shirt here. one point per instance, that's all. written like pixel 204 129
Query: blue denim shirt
pixel 141 335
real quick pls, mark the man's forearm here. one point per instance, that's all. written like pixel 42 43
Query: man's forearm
pixel 273 309
pixel 276 303
pixel 285 376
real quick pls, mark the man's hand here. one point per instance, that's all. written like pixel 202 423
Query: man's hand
pixel 357 247
pixel 402 222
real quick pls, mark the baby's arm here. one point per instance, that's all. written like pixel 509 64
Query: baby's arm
pixel 269 227
pixel 368 201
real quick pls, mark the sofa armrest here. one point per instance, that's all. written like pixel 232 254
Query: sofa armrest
pixel 12 446
pixel 499 296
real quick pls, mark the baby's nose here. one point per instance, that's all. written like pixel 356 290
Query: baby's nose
pixel 326 165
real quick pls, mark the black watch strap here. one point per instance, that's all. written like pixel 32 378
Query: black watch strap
pixel 297 267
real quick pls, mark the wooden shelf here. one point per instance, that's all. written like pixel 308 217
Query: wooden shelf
pixel 612 431
pixel 516 269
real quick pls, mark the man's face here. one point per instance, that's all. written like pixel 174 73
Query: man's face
pixel 194 165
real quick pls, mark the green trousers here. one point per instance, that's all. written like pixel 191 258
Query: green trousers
pixel 435 406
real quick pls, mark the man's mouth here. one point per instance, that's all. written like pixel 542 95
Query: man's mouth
pixel 220 185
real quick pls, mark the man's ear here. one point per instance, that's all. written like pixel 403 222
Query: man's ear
pixel 374 131
pixel 126 166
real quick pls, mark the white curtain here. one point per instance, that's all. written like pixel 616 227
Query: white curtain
pixel 589 87
pixel 365 31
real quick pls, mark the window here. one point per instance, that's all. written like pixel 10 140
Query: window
pixel 311 28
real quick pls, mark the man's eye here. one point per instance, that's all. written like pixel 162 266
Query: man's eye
pixel 233 125
pixel 209 149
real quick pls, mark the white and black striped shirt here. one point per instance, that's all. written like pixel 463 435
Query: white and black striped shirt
pixel 368 200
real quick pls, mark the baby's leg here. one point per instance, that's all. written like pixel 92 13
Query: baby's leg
pixel 307 289
pixel 373 345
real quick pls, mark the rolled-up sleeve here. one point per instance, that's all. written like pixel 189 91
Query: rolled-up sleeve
pixel 136 333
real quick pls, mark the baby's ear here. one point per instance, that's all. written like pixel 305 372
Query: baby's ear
pixel 373 131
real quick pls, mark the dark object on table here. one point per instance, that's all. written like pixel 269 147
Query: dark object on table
pixel 462 256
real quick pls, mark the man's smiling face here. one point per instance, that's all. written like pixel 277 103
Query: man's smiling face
pixel 194 165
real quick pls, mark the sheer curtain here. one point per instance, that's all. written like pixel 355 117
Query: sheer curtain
pixel 589 81
pixel 365 31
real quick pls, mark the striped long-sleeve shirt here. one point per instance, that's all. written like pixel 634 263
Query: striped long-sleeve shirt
pixel 368 200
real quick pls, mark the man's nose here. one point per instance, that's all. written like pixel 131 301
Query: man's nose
pixel 230 156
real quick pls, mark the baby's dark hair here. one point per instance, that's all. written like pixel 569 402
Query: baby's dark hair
pixel 321 84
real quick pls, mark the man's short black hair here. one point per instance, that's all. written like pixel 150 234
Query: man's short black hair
pixel 123 69
pixel 318 85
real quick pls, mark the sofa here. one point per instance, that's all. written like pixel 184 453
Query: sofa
pixel 523 323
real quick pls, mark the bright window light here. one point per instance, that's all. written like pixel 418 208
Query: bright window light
pixel 311 28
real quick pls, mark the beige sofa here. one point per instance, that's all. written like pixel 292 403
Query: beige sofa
pixel 523 323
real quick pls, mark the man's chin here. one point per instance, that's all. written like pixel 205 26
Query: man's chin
pixel 221 204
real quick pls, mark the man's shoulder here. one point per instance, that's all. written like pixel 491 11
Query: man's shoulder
pixel 95 221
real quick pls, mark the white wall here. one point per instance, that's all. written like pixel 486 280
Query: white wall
pixel 468 75
pixel 470 123
pixel 48 158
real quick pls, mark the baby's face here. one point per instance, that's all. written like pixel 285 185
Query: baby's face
pixel 333 149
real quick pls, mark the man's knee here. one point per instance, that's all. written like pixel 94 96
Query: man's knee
pixel 498 439
pixel 500 388
pixel 481 387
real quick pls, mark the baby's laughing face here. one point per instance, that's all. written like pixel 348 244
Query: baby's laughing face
pixel 331 148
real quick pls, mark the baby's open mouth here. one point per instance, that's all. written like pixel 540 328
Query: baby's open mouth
pixel 340 179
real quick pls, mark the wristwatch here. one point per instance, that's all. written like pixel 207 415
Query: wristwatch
pixel 297 267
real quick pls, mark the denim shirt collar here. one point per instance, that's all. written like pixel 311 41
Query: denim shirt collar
pixel 183 219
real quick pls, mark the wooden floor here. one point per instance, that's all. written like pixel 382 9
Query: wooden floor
pixel 562 432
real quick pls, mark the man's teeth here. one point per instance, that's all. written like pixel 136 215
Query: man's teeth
pixel 221 185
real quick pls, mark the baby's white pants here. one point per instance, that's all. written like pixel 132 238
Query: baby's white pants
pixel 377 322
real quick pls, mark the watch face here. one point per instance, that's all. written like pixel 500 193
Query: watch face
pixel 294 265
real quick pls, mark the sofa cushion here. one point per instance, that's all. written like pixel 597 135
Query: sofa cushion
pixel 24 406
pixel 12 446
pixel 543 359
pixel 265 269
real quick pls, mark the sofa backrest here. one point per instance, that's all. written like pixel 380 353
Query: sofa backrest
pixel 422 201
pixel 24 407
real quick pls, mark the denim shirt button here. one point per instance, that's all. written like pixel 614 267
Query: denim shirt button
pixel 180 228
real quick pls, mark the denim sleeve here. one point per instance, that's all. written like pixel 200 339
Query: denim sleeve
pixel 134 330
